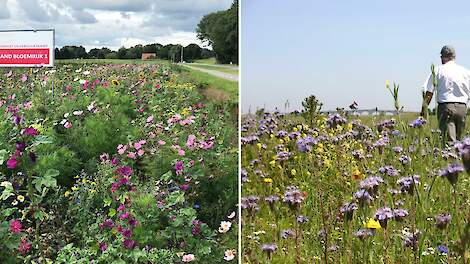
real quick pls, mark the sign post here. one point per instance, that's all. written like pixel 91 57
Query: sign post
pixel 27 48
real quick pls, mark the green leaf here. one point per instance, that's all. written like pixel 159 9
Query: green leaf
pixel 7 192
pixel 41 139
pixel 167 176
pixel 107 202
pixel 112 212
pixel 3 156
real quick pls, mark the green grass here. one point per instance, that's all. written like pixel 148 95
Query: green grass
pixel 217 68
pixel 212 84
pixel 206 61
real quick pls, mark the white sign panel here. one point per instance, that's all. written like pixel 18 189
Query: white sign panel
pixel 27 48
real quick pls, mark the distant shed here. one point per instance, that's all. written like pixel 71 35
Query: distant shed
pixel 149 55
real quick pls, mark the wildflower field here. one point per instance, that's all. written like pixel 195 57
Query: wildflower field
pixel 115 163
pixel 340 188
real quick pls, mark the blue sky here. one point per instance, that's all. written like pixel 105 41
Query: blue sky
pixel 343 51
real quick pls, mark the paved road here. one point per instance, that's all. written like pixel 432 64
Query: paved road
pixel 227 66
pixel 227 76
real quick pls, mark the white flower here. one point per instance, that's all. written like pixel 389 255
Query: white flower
pixel 232 215
pixel 66 115
pixel 6 184
pixel 77 113
pixel 86 72
pixel 82 81
pixel 229 254
pixel 188 258
pixel 75 79
pixel 225 226
pixel 79 70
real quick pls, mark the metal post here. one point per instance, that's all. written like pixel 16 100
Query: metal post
pixel 182 50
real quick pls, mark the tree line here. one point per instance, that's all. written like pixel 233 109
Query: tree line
pixel 167 52
pixel 220 30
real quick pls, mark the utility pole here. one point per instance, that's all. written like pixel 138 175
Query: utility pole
pixel 182 50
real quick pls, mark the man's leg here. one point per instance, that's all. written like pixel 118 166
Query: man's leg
pixel 460 118
pixel 445 124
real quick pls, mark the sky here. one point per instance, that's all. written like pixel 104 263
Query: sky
pixel 344 51
pixel 111 23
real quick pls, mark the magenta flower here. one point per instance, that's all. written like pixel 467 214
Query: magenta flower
pixel 124 215
pixel 15 226
pixel 115 186
pixel 129 244
pixel 124 171
pixel 31 131
pixel 12 163
pixel 103 246
pixel 24 246
pixel 127 233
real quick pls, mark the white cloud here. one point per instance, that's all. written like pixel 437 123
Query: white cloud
pixel 111 23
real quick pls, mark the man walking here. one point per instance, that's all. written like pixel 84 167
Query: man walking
pixel 453 91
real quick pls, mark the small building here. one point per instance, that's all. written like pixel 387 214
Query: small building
pixel 149 55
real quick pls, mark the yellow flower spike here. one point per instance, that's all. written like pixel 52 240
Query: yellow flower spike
pixel 272 163
pixel 259 145
pixel 281 141
pixel 268 180
pixel 299 127
pixel 372 224
pixel 277 190
pixel 295 129
pixel 293 172
pixel 67 194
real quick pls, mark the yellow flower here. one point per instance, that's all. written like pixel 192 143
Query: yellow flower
pixel 91 190
pixel 293 172
pixel 74 188
pixel 272 163
pixel 268 180
pixel 281 141
pixel 185 111
pixel 38 127
pixel 372 224
pixel 259 145
pixel 115 82
pixel 20 198
pixel 295 129
pixel 67 194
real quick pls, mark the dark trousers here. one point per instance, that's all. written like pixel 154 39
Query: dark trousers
pixel 451 117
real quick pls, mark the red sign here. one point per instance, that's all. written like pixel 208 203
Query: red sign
pixel 24 56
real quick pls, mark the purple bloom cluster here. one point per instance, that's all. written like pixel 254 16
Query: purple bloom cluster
pixel 305 144
pixel 249 139
pixel 383 215
pixel 371 184
pixel 418 122
pixel 362 234
pixel 442 220
pixel 293 197
pixel 404 159
pixel 302 219
pixel 386 124
pixel 399 214
pixel 335 120
pixel 389 170
pixel 286 233
pixel 250 203
pixel 407 183
pixel 464 151
pixel 347 210
pixel 411 239
pixel 363 197
pixel 451 172
pixel 283 155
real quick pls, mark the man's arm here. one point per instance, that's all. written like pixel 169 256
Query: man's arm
pixel 429 86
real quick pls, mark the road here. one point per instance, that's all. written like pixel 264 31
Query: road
pixel 224 75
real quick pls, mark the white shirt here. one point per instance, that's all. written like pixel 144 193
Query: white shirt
pixel 453 83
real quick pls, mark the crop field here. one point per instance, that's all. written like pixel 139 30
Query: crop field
pixel 115 163
pixel 348 189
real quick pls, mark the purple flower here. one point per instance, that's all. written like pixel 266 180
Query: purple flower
pixel 269 249
pixel 397 149
pixel 127 233
pixel 20 146
pixel 404 159
pixel 407 183
pixel 244 175
pixel 411 239
pixel 371 184
pixel 399 214
pixel 347 210
pixel 442 220
pixel 12 163
pixel 335 120
pixel 442 249
pixel 286 233
pixel 103 246
pixel 383 215
pixel 363 234
pixel 389 170
pixel 418 122
pixel 129 243
pixel 250 203
pixel 302 219
pixel 451 172
pixel 283 155
pixel 293 197
pixel 107 223
pixel 363 197
pixel 464 151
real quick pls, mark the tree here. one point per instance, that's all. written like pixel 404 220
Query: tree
pixel 192 52
pixel 220 30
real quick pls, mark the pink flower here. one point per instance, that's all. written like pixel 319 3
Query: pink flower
pixel 15 226
pixel 152 135
pixel 150 119
pixel 103 246
pixel 142 142
pixel 104 157
pixel 121 149
pixel 24 246
pixel 12 163
pixel 188 258
pixel 184 187
pixel 124 171
pixel 124 215
pixel 115 161
pixel 181 152
pixel 68 125
pixel 137 145
pixel 190 141
pixel 131 155
pixel 121 208
pixel 140 152
pixel 161 142
pixel 24 78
